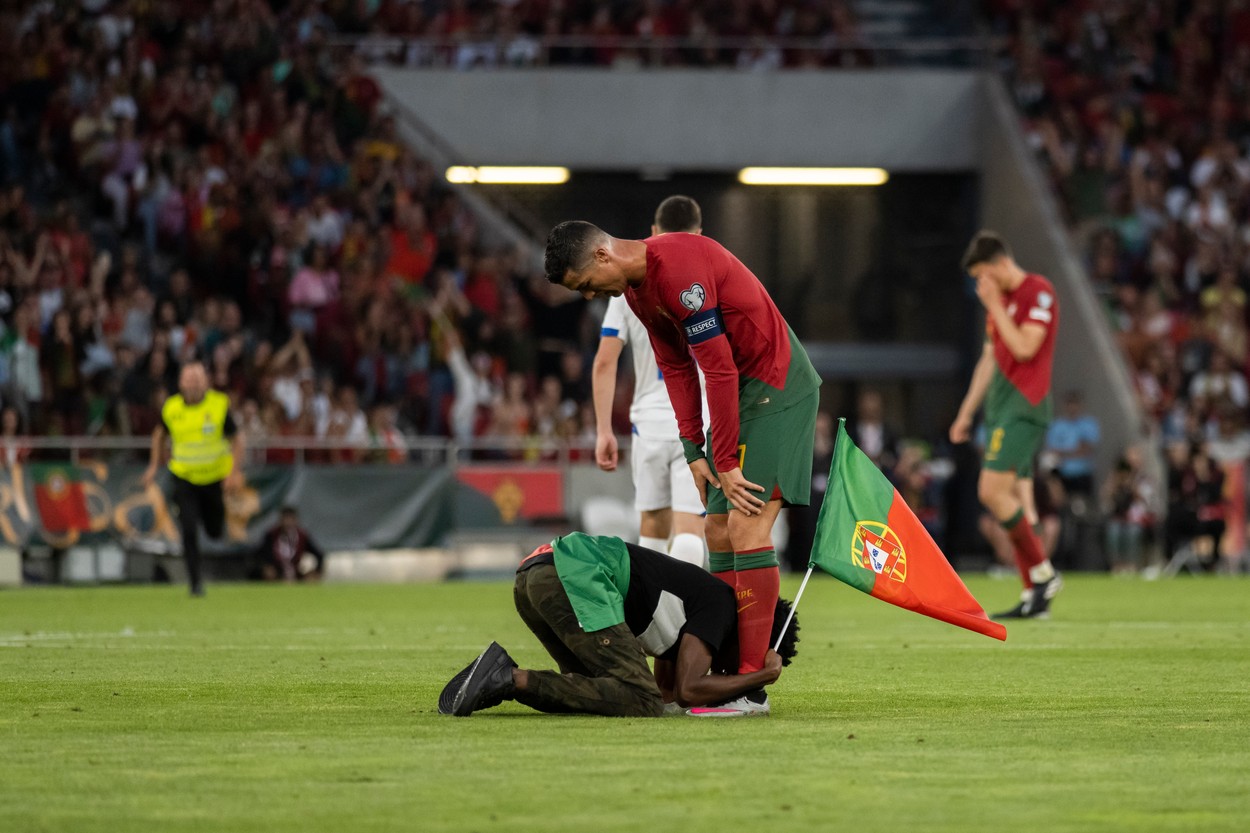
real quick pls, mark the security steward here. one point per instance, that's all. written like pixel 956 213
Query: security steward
pixel 205 445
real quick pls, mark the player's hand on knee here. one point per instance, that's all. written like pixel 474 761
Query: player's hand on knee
pixel 739 490
pixel 703 477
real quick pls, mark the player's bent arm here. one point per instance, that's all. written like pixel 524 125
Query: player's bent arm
pixel 1022 340
pixel 681 378
pixel 720 374
pixel 694 686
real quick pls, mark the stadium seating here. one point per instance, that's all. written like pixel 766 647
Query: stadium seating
pixel 230 184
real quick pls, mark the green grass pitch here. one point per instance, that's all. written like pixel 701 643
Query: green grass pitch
pixel 277 708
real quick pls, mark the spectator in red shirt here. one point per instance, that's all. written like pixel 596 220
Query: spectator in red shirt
pixel 413 246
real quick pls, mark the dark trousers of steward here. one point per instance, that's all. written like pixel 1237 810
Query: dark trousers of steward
pixel 602 672
pixel 198 504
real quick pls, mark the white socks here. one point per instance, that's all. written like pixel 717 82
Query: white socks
pixel 687 547
pixel 1041 573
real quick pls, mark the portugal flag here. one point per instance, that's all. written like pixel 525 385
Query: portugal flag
pixel 868 537
pixel 59 496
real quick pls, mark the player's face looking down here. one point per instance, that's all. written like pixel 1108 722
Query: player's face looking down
pixel 602 276
pixel 994 271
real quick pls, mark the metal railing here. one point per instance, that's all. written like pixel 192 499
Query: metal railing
pixel 314 451
pixel 520 50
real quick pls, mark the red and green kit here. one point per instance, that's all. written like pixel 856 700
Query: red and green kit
pixel 1018 404
pixel 701 305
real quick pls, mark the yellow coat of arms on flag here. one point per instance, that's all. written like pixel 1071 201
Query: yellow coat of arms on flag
pixel 876 547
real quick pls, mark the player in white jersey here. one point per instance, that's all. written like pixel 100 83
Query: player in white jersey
pixel 671 513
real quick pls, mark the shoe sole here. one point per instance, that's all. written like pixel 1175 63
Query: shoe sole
pixel 730 709
pixel 447 697
pixel 722 713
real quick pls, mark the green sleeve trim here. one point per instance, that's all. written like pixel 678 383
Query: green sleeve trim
pixel 693 451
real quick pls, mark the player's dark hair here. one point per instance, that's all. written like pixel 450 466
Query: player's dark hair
pixel 789 645
pixel 678 213
pixel 985 246
pixel 569 246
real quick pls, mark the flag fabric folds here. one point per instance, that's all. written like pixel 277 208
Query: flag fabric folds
pixel 59 496
pixel 869 538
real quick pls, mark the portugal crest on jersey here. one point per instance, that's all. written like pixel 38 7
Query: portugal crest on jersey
pixel 876 547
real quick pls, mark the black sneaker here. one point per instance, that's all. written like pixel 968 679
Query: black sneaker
pixel 488 683
pixel 1043 592
pixel 447 697
pixel 1020 611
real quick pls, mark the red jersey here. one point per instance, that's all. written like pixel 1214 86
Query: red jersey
pixel 699 303
pixel 1032 302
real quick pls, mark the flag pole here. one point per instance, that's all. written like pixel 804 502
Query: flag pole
pixel 810 566
pixel 793 608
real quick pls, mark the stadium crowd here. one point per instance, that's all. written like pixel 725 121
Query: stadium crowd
pixel 1141 113
pixel 217 182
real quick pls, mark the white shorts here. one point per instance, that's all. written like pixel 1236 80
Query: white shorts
pixel 661 477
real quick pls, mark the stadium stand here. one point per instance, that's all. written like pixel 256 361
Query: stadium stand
pixel 222 179
pixel 216 180
pixel 1139 113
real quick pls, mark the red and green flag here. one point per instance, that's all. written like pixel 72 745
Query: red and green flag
pixel 59 496
pixel 869 538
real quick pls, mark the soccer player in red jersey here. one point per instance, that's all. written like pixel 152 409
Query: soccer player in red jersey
pixel 700 304
pixel 1012 379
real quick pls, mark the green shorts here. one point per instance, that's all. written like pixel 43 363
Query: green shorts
pixel 1011 445
pixel 775 451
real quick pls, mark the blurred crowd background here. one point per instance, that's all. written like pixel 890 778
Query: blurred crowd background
pixel 222 180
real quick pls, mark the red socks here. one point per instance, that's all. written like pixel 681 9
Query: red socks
pixel 1027 546
pixel 757 603
pixel 721 565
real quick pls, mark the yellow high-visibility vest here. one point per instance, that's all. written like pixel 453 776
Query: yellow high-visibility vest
pixel 201 452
